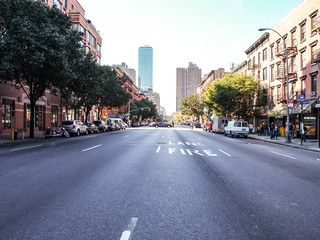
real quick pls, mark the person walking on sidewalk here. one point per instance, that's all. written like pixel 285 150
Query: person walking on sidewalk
pixel 271 130
pixel 303 134
pixel 276 131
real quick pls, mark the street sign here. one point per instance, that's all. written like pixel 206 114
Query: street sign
pixel 302 97
pixel 290 103
pixel 306 102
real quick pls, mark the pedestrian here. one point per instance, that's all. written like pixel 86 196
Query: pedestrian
pixel 258 130
pixel 271 130
pixel 276 131
pixel 250 128
pixel 172 123
pixel 303 134
pixel 266 129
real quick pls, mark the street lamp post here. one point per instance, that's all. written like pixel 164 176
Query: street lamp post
pixel 288 138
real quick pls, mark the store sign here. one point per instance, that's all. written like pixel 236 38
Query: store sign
pixel 290 103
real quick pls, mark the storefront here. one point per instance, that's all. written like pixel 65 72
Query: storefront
pixel 299 113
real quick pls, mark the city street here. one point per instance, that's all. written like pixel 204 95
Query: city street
pixel 158 183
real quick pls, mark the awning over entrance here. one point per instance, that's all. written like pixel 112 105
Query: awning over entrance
pixel 281 110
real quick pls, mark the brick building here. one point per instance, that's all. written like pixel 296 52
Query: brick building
pixel 50 109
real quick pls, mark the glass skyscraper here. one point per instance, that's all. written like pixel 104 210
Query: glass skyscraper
pixel 145 71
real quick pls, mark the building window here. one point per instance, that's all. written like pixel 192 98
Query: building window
pixel 54 116
pixel 278 47
pixel 7 113
pixel 272 73
pixel 249 64
pixel 272 51
pixel 294 41
pixel 259 58
pixel 314 51
pixel 91 39
pixel 303 31
pixel 265 73
pixel 56 3
pixel 278 93
pixel 303 59
pixel 99 48
pixel 264 54
pixel 272 96
pixel 303 86
pixel 314 21
pixel 99 60
pixel 313 85
pixel 65 3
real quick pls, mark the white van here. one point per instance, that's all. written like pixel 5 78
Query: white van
pixel 219 123
pixel 237 128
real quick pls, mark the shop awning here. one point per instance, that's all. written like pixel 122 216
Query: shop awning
pixel 281 110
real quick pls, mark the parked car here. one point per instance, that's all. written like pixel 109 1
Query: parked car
pixel 152 124
pixel 75 127
pixel 237 128
pixel 197 125
pixel 162 124
pixel 135 124
pixel 92 128
pixel 207 127
pixel 103 127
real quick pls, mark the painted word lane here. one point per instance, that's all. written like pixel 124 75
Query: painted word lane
pixel 185 148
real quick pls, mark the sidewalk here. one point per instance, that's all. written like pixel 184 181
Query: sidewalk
pixel 6 138
pixel 310 144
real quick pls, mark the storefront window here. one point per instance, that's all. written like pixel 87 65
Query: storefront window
pixel 7 113
pixel 37 116
pixel 54 116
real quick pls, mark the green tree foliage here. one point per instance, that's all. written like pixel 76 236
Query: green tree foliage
pixel 192 105
pixel 233 95
pixel 145 108
pixel 110 92
pixel 38 48
pixel 178 117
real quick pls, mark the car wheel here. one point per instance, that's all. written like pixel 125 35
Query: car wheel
pixel 87 132
pixel 78 133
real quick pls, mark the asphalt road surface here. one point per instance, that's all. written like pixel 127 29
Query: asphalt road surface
pixel 149 183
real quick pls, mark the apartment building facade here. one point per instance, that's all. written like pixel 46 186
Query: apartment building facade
pixel 50 110
pixel 258 66
pixel 300 30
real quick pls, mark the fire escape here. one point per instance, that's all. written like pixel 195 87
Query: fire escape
pixel 282 69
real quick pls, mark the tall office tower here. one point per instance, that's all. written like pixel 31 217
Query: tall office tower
pixel 145 71
pixel 193 78
pixel 187 81
pixel 181 82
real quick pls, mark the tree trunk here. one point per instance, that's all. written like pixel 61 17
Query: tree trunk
pixel 32 117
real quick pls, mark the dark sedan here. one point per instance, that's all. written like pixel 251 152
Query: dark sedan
pixel 162 124
pixel 92 128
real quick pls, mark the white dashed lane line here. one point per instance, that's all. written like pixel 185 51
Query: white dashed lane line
pixel 87 149
pixel 224 153
pixel 283 155
pixel 23 148
pixel 131 226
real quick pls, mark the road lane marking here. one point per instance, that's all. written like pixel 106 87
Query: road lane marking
pixel 158 150
pixel 224 153
pixel 131 226
pixel 87 149
pixel 283 155
pixel 125 136
pixel 23 148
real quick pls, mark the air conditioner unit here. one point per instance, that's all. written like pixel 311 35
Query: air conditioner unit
pixel 313 94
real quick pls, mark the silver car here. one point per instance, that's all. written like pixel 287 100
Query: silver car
pixel 75 127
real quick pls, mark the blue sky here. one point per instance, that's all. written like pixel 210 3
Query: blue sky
pixel 210 33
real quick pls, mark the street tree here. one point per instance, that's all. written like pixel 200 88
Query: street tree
pixel 233 95
pixel 40 49
pixel 110 93
pixel 144 108
pixel 192 105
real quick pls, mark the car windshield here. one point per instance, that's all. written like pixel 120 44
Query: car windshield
pixel 66 122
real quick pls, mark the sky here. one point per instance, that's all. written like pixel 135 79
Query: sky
pixel 210 33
